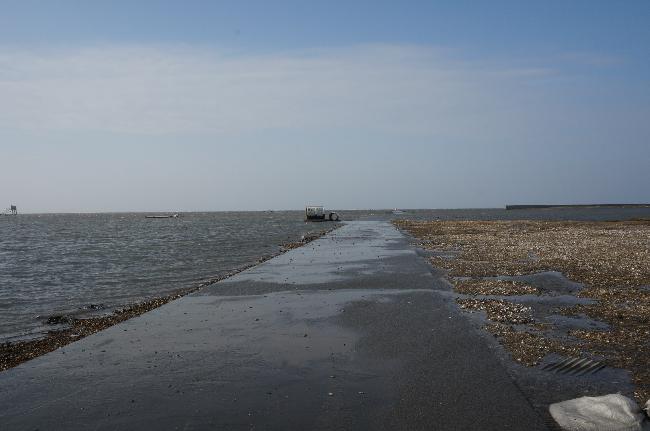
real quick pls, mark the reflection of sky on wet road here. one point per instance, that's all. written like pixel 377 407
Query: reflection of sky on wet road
pixel 280 327
pixel 348 250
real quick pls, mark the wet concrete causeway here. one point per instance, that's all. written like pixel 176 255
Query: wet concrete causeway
pixel 346 333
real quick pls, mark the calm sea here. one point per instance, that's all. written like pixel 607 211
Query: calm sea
pixel 75 263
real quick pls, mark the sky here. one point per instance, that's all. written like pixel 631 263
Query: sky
pixel 219 105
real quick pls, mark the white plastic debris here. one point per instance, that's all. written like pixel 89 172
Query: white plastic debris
pixel 613 412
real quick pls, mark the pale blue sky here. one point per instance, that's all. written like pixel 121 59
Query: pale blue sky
pixel 123 105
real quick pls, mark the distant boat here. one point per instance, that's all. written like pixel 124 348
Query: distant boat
pixel 10 211
pixel 317 213
pixel 162 216
pixel 396 211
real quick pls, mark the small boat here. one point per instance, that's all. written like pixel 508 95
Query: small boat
pixel 316 213
pixel 10 211
pixel 396 211
pixel 162 216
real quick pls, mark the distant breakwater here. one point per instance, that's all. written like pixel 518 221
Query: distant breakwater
pixel 525 207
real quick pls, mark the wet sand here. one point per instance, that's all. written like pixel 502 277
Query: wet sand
pixel 573 289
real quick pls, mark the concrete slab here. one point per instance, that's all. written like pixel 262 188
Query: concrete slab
pixel 348 332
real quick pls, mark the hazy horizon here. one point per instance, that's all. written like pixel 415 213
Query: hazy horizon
pixel 147 107
pixel 627 205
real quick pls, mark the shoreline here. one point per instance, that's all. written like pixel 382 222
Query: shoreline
pixel 13 353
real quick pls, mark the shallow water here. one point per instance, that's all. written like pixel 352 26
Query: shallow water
pixel 75 263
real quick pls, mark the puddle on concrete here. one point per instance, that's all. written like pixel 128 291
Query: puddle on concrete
pixel 290 327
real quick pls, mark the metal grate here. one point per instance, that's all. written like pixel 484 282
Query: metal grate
pixel 575 366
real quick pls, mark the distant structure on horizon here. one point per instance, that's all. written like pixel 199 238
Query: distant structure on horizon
pixel 525 207
pixel 12 210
